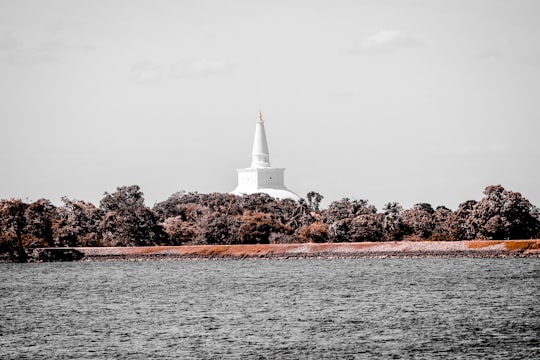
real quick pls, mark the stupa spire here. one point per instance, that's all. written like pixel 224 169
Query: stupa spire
pixel 260 177
pixel 260 156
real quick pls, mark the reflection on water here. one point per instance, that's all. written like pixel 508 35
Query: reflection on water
pixel 387 308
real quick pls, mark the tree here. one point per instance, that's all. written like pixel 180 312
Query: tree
pixel 419 221
pixel 78 224
pixel 169 207
pixel 465 228
pixel 294 214
pixel 127 221
pixel 392 222
pixel 444 225
pixel 503 214
pixel 348 209
pixel 256 228
pixel 339 219
pixel 217 229
pixel 180 231
pixel 316 232
pixel 314 200
pixel 366 227
pixel 259 202
pixel 12 224
pixel 40 218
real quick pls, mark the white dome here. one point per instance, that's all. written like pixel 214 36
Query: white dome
pixel 280 194
pixel 261 177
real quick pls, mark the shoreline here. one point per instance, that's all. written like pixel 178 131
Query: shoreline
pixel 363 250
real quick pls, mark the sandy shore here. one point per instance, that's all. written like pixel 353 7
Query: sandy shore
pixel 401 249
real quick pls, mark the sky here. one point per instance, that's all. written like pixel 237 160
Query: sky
pixel 384 100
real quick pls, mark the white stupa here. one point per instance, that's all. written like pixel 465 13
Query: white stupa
pixel 261 177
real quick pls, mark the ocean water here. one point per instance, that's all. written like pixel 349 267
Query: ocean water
pixel 272 309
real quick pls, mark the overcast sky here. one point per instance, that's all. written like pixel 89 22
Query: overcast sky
pixel 407 101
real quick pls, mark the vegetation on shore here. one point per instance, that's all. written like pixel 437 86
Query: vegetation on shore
pixel 122 219
pixel 363 250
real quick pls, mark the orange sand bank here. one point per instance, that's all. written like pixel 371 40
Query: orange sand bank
pixel 513 248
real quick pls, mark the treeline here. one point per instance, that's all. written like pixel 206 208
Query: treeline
pixel 122 219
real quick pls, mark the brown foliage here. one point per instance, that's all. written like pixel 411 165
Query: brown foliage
pixel 122 219
pixel 256 227
pixel 316 232
pixel 180 231
pixel 503 214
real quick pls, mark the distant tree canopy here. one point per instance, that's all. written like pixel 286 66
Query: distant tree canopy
pixel 122 219
pixel 127 221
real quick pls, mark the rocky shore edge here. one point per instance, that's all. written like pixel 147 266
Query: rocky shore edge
pixel 364 250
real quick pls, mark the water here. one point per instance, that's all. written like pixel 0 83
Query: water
pixel 256 309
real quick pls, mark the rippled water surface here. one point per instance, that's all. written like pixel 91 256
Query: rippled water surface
pixel 387 308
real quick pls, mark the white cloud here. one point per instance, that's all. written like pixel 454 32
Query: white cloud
pixel 13 52
pixel 147 72
pixel 342 94
pixel 386 41
pixel 199 67
pixel 26 57
pixel 57 46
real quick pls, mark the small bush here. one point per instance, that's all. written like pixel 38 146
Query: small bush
pixel 315 232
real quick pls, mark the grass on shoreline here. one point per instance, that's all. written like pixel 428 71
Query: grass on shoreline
pixel 510 245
